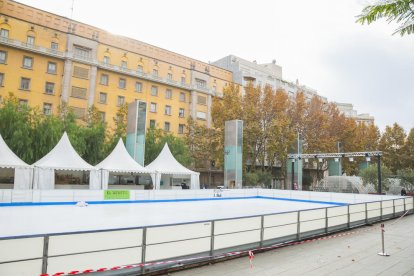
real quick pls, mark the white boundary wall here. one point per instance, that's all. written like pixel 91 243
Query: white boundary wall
pixel 94 250
pixel 10 196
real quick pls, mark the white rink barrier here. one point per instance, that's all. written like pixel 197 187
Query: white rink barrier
pixel 15 196
pixel 80 251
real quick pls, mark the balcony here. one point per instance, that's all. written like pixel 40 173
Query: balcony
pixel 30 47
pixel 94 62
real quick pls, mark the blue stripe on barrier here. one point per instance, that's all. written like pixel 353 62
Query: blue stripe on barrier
pixel 166 200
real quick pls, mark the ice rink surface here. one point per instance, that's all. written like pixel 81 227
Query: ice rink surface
pixel 34 220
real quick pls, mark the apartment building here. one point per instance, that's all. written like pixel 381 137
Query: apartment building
pixel 270 74
pixel 348 110
pixel 47 59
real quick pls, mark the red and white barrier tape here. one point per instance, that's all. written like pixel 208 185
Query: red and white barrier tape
pixel 250 253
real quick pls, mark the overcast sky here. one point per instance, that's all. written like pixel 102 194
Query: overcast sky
pixel 317 42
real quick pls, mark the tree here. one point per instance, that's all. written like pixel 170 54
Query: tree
pixel 155 140
pixel 400 11
pixel 408 151
pixel 369 175
pixel 391 144
pixel 407 178
pixel 94 137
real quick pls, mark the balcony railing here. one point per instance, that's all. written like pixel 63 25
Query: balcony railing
pixel 107 66
pixel 31 47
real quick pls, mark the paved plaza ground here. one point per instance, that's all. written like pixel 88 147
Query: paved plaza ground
pixel 351 253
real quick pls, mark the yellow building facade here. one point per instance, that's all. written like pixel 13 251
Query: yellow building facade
pixel 46 59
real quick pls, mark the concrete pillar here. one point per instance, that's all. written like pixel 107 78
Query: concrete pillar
pixel 92 85
pixel 193 106
pixel 67 70
pixel 209 111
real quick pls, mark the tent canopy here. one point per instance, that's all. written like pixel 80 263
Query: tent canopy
pixel 63 157
pixel 120 161
pixel 8 159
pixel 165 163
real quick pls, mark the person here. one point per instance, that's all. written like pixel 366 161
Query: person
pixel 403 192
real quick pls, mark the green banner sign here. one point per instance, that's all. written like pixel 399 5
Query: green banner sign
pixel 116 194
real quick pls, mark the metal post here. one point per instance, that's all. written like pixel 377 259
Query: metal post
pixel 393 208
pixel 366 213
pixel 143 248
pixel 261 231
pixel 45 254
pixel 326 220
pixel 349 219
pixel 212 239
pixel 379 176
pixel 293 174
pixel 382 253
pixel 298 227
pixel 381 210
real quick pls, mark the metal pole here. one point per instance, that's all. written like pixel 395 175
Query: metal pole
pixel 379 175
pixel 293 174
pixel 212 239
pixel 261 230
pixel 382 253
pixel 45 254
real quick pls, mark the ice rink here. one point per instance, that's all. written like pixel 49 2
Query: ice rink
pixel 49 219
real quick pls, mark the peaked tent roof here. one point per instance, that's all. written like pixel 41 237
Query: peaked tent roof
pixel 167 164
pixel 63 157
pixel 120 161
pixel 7 157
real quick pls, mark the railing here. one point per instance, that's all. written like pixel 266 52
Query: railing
pixel 31 47
pixel 109 248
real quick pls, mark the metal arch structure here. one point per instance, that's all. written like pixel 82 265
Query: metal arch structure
pixel 336 155
pixel 377 154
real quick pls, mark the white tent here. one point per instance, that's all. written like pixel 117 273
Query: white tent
pixel 118 161
pixel 22 171
pixel 62 157
pixel 166 164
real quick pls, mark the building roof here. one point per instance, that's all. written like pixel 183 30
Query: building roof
pixel 7 157
pixel 63 157
pixel 120 161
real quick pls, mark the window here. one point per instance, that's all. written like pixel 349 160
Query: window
pixel 79 92
pixel 182 97
pixel 155 72
pixel 168 110
pixel 168 94
pixel 27 62
pixel 122 83
pixel 182 80
pixel 154 91
pixel 201 83
pixel 140 69
pixel 202 100
pixel 47 108
pixel 4 33
pixel 102 98
pixel 23 102
pixel 79 112
pixel 152 123
pixel 181 129
pixel 106 60
pixel 169 76
pixel 3 57
pixel 201 115
pixel 121 100
pixel 51 67
pixel 104 79
pixel 123 64
pixel 80 72
pixel 153 107
pixel 1 79
pixel 82 52
pixel 24 84
pixel 102 114
pixel 49 88
pixel 54 46
pixel 30 40
pixel 167 126
pixel 181 112
pixel 138 87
